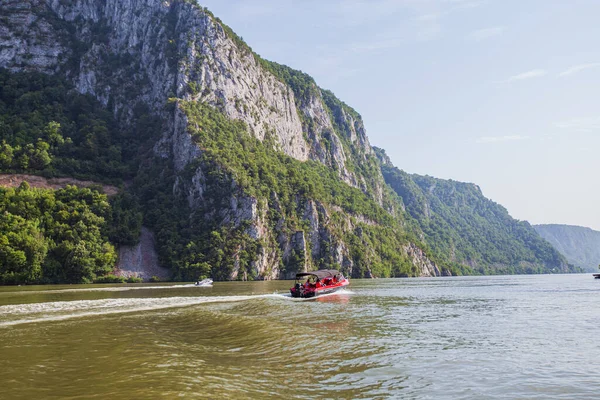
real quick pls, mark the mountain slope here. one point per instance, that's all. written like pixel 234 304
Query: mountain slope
pixel 466 229
pixel 581 246
pixel 255 172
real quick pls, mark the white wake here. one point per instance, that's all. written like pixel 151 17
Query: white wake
pixel 108 289
pixel 17 314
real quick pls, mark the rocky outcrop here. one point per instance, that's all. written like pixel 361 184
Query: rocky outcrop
pixel 29 41
pixel 141 260
pixel 423 264
pixel 313 213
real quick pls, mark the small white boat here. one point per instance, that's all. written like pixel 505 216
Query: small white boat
pixel 205 282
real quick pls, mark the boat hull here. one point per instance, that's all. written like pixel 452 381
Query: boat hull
pixel 301 292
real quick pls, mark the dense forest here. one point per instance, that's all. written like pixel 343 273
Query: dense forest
pixel 54 236
pixel 47 128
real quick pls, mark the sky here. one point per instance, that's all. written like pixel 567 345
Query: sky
pixel 501 93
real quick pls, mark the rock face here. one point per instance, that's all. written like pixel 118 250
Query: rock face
pixel 141 260
pixel 424 266
pixel 28 41
pixel 175 49
pixel 581 246
pixel 130 52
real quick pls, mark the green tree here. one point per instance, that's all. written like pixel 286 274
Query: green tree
pixel 6 155
pixel 22 249
pixel 53 134
pixel 38 155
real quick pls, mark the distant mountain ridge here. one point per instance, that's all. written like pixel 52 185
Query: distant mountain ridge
pixel 580 245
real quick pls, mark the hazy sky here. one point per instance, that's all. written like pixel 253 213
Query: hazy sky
pixel 502 93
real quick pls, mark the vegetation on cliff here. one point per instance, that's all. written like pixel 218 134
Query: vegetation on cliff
pixel 580 245
pixel 48 128
pixel 54 236
pixel 42 116
pixel 466 229
pixel 242 167
pixel 78 138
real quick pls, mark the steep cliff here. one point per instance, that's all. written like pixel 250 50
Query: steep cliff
pixel 581 246
pixel 124 52
pixel 255 172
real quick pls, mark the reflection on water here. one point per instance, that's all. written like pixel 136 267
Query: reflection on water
pixel 485 337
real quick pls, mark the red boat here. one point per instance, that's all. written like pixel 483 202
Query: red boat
pixel 319 282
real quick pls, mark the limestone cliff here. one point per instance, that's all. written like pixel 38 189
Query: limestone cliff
pixel 255 172
pixel 127 51
pixel 167 54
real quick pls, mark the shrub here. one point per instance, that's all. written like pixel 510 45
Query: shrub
pixel 109 279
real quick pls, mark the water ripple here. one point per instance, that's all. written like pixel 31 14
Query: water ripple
pixel 458 338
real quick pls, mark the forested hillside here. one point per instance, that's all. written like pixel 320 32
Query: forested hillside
pixel 466 229
pixel 54 236
pixel 67 235
pixel 581 246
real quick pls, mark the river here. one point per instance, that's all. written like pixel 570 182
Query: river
pixel 498 337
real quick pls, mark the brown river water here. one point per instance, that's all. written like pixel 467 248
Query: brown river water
pixel 501 337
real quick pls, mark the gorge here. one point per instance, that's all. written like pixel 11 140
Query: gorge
pixel 240 167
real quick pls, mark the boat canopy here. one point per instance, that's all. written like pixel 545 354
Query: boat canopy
pixel 322 273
